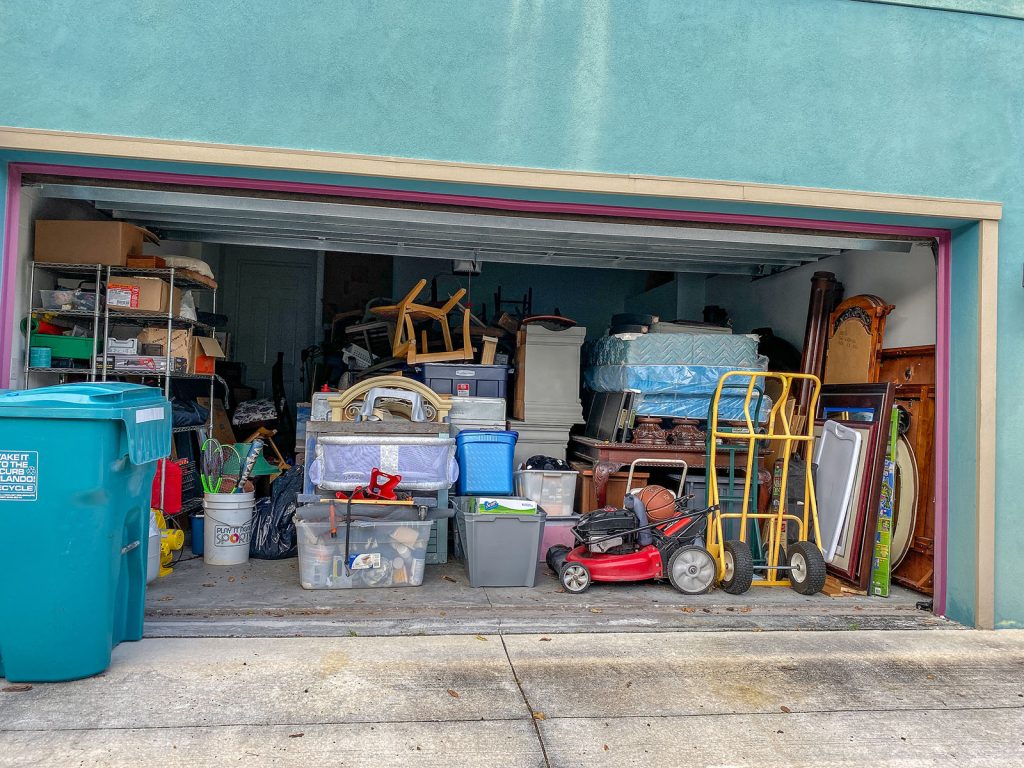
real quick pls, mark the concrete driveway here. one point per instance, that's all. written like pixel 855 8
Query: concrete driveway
pixel 861 698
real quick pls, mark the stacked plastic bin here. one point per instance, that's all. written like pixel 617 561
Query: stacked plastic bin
pixel 485 461
pixel 486 413
pixel 554 492
pixel 501 538
pixel 500 534
pixel 341 456
pixel 388 550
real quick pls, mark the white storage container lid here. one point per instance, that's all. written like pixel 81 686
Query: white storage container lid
pixel 477 409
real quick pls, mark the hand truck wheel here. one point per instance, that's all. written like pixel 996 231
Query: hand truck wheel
pixel 806 567
pixel 739 567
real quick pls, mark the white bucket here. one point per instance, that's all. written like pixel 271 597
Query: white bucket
pixel 153 559
pixel 227 528
pixel 153 551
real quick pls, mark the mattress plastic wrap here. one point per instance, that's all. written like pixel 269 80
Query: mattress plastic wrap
pixel 663 379
pixel 676 374
pixel 713 349
pixel 696 406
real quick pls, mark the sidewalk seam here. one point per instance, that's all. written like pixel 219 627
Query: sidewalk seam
pixel 1001 708
pixel 526 700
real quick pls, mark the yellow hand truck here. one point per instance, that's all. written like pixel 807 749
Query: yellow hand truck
pixel 799 564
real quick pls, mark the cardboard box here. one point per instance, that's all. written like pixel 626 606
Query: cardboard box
pixel 153 340
pixel 150 294
pixel 224 339
pixel 205 353
pixel 89 242
pixel 129 346
pixel 146 262
pixel 501 505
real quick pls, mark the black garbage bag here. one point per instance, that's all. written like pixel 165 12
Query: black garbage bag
pixel 547 463
pixel 188 413
pixel 273 524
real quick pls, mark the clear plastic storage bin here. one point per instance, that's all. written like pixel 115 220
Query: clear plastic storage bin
pixel 554 492
pixel 486 413
pixel 68 298
pixel 380 553
pixel 477 409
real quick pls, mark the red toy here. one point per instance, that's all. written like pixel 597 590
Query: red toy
pixel 381 486
pixel 621 545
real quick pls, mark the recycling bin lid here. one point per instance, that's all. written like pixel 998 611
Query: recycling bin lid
pixel 144 410
pixel 84 400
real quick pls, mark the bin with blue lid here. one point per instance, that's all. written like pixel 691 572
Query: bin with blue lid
pixel 76 468
pixel 485 461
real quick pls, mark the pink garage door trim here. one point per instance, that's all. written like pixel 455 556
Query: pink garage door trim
pixel 11 231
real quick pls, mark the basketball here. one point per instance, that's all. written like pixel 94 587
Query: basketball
pixel 658 501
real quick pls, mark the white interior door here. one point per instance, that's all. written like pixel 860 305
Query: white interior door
pixel 274 300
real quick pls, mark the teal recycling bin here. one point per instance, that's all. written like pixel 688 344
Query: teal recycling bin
pixel 76 472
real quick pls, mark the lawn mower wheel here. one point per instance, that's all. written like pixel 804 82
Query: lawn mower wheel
pixel 692 570
pixel 575 578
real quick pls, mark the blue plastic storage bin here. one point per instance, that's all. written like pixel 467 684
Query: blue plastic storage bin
pixel 76 472
pixel 485 461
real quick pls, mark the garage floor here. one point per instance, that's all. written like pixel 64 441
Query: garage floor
pixel 263 599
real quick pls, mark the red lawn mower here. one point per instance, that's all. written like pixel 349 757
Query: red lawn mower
pixel 628 545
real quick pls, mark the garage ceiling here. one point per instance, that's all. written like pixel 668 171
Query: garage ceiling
pixel 445 234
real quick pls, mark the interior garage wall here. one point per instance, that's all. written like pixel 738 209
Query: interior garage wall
pixel 33 207
pixel 680 299
pixel 588 296
pixel 906 280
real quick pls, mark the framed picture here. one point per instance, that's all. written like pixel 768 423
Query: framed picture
pixel 844 556
pixel 863 407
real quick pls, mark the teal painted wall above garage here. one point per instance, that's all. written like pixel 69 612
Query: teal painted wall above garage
pixel 808 92
pixel 1011 9
pixel 885 97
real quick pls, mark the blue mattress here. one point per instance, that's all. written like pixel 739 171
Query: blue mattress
pixel 730 407
pixel 714 349
pixel 662 379
pixel 675 374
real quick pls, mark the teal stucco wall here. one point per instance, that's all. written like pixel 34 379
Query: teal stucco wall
pixel 821 93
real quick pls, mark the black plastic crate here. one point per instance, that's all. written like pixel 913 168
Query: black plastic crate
pixel 465 380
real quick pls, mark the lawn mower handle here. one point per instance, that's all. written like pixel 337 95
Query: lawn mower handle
pixel 689 513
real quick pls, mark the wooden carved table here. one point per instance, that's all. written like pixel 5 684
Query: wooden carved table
pixel 609 458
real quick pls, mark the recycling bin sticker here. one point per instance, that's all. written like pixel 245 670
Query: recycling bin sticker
pixel 19 475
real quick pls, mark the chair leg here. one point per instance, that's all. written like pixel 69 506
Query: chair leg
pixel 447 333
pixel 423 341
pixel 402 334
pixel 409 351
pixel 467 341
pixel 490 347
